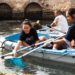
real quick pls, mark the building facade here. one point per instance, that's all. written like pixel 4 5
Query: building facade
pixel 19 9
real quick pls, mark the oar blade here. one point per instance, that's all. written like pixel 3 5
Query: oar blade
pixel 19 62
pixel 15 62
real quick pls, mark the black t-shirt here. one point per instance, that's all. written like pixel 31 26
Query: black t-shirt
pixel 30 38
pixel 71 33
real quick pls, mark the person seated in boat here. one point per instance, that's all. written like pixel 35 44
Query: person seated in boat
pixel 60 22
pixel 28 36
pixel 70 35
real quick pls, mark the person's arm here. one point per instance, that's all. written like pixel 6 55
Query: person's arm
pixel 54 23
pixel 70 35
pixel 37 41
pixel 36 36
pixel 67 39
pixel 16 48
pixel 59 41
pixel 19 43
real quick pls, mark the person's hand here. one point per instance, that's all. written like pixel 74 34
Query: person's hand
pixel 49 43
pixel 14 52
pixel 46 44
pixel 32 45
pixel 52 29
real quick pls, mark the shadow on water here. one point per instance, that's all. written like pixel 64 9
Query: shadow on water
pixel 40 67
pixel 49 66
pixel 35 66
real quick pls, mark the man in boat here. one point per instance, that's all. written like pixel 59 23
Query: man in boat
pixel 69 38
pixel 28 36
pixel 59 22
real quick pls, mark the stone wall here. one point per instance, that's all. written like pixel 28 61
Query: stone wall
pixel 73 3
pixel 18 6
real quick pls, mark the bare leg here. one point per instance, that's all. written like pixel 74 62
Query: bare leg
pixel 42 38
pixel 58 43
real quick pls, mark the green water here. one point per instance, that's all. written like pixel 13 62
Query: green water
pixel 9 27
pixel 33 69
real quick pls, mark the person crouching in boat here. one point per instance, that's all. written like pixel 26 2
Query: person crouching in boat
pixel 28 36
pixel 70 35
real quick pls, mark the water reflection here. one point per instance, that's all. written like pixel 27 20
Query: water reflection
pixel 9 27
pixel 32 69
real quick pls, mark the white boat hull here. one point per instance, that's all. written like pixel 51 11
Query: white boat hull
pixel 55 57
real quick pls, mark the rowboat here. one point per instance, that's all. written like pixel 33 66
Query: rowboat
pixel 64 55
pixel 9 41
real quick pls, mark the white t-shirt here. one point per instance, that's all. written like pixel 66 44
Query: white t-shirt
pixel 62 23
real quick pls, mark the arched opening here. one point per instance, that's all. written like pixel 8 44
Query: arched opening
pixel 5 12
pixel 33 11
